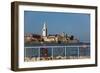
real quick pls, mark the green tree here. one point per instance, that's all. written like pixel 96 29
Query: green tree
pixel 71 37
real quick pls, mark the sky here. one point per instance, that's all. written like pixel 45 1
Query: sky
pixel 77 24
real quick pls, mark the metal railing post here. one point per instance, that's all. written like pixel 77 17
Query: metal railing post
pixel 78 52
pixel 39 52
pixel 65 52
pixel 25 53
pixel 52 52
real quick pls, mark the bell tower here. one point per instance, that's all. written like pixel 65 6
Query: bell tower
pixel 44 30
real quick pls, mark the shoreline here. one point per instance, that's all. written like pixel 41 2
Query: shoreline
pixel 54 44
pixel 27 59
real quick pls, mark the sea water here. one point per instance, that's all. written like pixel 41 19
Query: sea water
pixel 49 50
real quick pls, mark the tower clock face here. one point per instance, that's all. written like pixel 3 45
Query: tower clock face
pixel 43 29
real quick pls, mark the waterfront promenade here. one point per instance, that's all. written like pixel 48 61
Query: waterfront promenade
pixel 56 52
